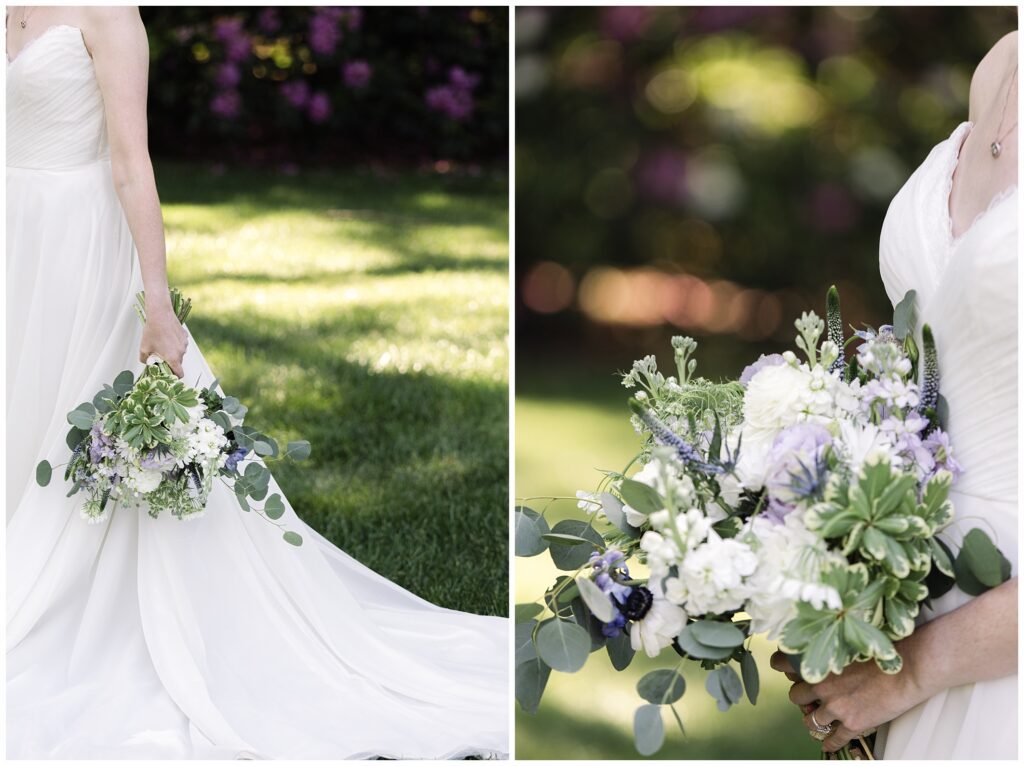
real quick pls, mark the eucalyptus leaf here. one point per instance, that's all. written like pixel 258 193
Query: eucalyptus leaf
pixel 563 645
pixel 293 538
pixel 640 497
pixel 530 528
pixel 620 651
pixel 751 677
pixel 523 639
pixel 725 686
pixel 274 507
pixel 648 729
pixel 262 448
pixel 298 450
pixel 123 382
pixel 596 600
pixel 531 679
pixel 904 317
pixel 563 539
pixel 717 634
pixel 661 687
pixel 571 558
pixel 526 612
pixel 689 644
pixel 82 416
pixel 982 557
pixel 44 472
pixel 230 404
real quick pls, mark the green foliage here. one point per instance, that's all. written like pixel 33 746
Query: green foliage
pixel 662 687
pixel 980 566
pixel 648 729
pixel 831 637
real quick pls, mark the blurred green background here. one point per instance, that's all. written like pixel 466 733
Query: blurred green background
pixel 368 313
pixel 706 171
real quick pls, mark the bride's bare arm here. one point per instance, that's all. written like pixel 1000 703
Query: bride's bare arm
pixel 976 642
pixel 117 42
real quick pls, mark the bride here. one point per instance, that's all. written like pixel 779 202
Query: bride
pixel 951 234
pixel 143 638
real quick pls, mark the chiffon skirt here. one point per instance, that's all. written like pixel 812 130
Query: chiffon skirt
pixel 212 638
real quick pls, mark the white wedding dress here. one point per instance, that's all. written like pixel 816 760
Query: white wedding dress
pixel 967 291
pixel 141 638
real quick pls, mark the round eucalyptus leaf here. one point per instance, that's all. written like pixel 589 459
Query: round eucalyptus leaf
pixel 720 634
pixel 982 557
pixel 570 558
pixel 620 651
pixel 530 529
pixel 75 437
pixel 526 612
pixel 230 404
pixel 298 450
pixel 262 448
pixel 596 600
pixel 725 686
pixel 563 645
pixel 531 679
pixel 82 416
pixel 523 639
pixel 661 687
pixel 648 729
pixel 293 537
pixel 562 539
pixel 274 507
pixel 44 472
pixel 695 649
pixel 123 382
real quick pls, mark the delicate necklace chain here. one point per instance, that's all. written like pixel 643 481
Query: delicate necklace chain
pixel 997 145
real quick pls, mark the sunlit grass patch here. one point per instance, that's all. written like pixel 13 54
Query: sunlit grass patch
pixel 368 315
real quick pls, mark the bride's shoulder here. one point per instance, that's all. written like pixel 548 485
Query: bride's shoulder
pixel 991 72
pixel 111 19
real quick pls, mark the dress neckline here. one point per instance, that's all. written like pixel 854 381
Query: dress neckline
pixel 964 129
pixel 37 38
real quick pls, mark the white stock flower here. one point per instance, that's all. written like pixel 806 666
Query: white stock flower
pixel 712 577
pixel 860 442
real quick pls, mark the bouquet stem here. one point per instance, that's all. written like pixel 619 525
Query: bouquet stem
pixel 182 305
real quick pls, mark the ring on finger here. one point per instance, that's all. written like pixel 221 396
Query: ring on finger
pixel 820 731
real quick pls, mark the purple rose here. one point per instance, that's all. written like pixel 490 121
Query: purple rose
pixel 770 360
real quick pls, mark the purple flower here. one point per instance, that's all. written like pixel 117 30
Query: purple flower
pixel 319 107
pixel 232 36
pixel 324 33
pixel 937 443
pixel 769 360
pixel 269 20
pixel 296 93
pixel 797 467
pixel 228 75
pixel 357 74
pixel 455 98
pixel 226 104
pixel 235 458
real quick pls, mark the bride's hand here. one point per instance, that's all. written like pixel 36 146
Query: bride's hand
pixel 855 702
pixel 164 336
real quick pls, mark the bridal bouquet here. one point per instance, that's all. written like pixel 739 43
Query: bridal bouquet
pixel 156 443
pixel 805 501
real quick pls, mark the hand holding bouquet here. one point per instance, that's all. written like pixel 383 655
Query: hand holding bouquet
pixel 805 501
pixel 156 443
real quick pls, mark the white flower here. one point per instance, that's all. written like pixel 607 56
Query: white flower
pixel 145 480
pixel 659 627
pixel 790 559
pixel 712 576
pixel 587 501
pixel 860 442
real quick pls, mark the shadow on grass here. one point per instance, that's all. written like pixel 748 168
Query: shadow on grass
pixel 563 734
pixel 408 472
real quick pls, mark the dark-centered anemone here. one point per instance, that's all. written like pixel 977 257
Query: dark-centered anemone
pixel 638 603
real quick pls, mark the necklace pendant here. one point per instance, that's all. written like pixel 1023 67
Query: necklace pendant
pixel 997 148
pixel 23 24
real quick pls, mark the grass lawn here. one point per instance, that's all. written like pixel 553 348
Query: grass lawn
pixel 571 421
pixel 367 314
